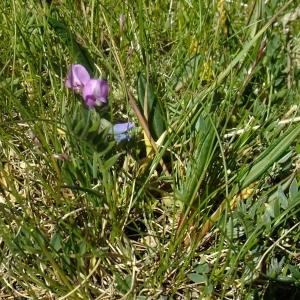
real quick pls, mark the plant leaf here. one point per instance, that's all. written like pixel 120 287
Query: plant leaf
pixel 282 198
pixel 153 110
pixel 202 268
pixel 197 278
pixel 270 156
pixel 293 190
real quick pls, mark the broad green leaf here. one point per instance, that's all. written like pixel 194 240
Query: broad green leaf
pixel 151 106
pixel 276 207
pixel 295 272
pixel 95 164
pixel 56 241
pixel 293 190
pixel 197 278
pixel 202 268
pixel 282 198
pixel 82 248
pixel 270 210
pixel 110 162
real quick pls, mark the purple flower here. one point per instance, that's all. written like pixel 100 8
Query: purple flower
pixel 120 131
pixel 95 92
pixel 77 77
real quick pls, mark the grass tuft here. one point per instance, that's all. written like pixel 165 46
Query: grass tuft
pixel 201 202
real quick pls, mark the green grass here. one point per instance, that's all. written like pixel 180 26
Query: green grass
pixel 204 207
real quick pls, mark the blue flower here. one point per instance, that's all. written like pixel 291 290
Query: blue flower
pixel 120 131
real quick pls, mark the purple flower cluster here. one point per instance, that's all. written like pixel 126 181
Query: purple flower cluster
pixel 95 93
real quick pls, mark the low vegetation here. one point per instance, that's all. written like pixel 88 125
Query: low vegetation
pixel 169 168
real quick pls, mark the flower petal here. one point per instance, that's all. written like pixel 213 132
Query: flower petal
pixel 120 131
pixel 95 92
pixel 122 128
pixel 77 77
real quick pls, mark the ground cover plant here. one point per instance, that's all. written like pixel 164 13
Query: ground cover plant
pixel 149 149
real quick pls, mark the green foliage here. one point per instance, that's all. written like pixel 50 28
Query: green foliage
pixel 213 213
pixel 270 156
pixel 200 273
pixel 151 106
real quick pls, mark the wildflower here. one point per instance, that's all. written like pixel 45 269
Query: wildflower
pixel 120 131
pixel 95 92
pixel 77 77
